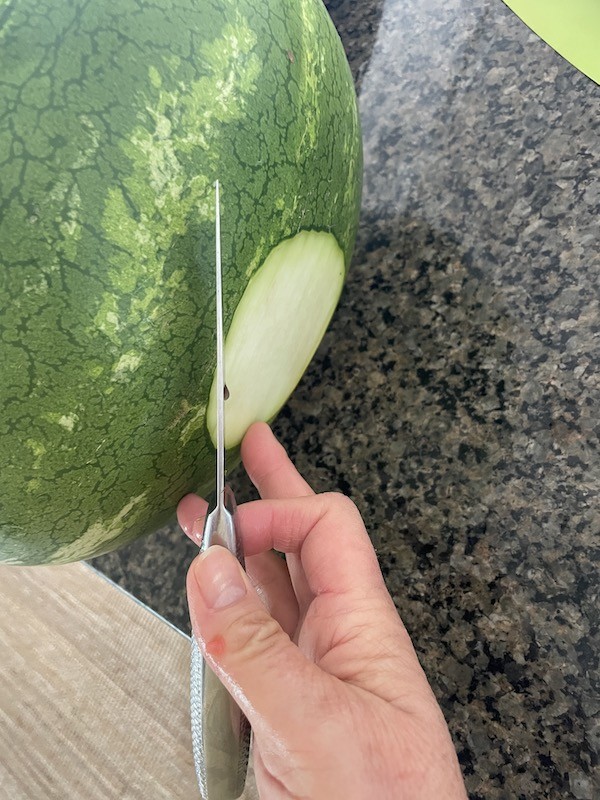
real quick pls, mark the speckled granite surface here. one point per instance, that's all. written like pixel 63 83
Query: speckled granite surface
pixel 456 396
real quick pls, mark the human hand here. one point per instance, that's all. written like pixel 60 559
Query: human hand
pixel 313 649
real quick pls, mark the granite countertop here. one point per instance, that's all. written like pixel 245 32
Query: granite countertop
pixel 456 394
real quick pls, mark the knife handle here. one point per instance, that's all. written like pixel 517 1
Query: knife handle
pixel 220 731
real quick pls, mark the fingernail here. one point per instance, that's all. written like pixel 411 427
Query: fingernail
pixel 219 578
pixel 197 530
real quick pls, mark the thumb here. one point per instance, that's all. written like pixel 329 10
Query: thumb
pixel 274 684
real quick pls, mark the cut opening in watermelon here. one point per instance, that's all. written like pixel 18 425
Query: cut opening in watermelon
pixel 276 329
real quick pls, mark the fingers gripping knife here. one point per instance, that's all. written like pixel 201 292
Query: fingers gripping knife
pixel 220 732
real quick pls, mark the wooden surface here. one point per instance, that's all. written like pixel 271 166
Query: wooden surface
pixel 94 692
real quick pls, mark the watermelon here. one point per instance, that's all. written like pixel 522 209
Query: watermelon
pixel 115 121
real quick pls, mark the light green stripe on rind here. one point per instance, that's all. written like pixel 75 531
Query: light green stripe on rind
pixel 100 535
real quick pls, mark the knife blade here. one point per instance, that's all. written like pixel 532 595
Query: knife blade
pixel 220 731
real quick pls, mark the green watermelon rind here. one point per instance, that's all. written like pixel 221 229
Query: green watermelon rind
pixel 115 120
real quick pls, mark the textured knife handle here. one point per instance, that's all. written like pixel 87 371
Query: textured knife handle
pixel 220 731
pixel 220 734
pixel 196 671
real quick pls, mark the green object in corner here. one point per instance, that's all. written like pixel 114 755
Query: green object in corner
pixel 571 27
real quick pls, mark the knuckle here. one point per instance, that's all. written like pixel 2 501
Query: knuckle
pixel 254 633
pixel 341 503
